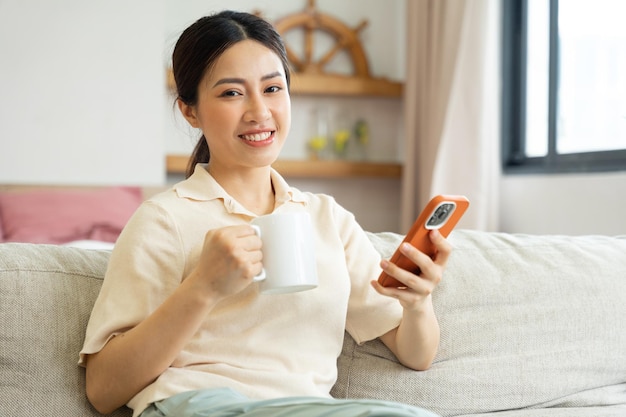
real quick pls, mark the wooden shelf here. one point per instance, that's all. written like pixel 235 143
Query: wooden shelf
pixel 177 164
pixel 337 169
pixel 333 84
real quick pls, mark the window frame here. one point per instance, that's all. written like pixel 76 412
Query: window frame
pixel 513 117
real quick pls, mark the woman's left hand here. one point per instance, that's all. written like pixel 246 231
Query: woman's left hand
pixel 415 296
pixel 415 340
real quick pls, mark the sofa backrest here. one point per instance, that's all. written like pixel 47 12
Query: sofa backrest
pixel 526 322
pixel 46 296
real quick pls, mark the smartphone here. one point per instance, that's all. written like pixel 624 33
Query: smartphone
pixel 442 212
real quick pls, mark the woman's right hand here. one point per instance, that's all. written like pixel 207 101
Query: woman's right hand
pixel 231 257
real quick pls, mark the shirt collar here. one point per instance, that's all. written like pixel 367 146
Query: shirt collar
pixel 201 186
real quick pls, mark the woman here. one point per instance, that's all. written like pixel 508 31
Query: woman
pixel 179 326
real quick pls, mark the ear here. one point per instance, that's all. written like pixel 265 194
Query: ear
pixel 189 113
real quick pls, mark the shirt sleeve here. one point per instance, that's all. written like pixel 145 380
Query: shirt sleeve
pixel 145 267
pixel 370 314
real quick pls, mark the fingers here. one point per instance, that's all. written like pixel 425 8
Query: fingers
pixel 431 269
pixel 249 239
pixel 443 247
pixel 420 284
pixel 233 251
pixel 235 237
pixel 248 245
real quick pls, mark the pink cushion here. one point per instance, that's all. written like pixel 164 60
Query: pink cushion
pixel 60 216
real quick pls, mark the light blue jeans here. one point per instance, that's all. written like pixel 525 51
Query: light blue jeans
pixel 224 402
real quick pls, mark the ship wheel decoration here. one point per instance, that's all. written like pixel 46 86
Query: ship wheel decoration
pixel 311 21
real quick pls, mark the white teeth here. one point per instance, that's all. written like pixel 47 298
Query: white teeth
pixel 257 136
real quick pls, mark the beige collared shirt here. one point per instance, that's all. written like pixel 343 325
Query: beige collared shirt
pixel 264 346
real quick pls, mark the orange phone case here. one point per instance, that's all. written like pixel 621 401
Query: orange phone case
pixel 418 235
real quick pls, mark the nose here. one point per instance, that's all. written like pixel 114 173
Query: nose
pixel 257 109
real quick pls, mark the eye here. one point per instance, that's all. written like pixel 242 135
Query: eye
pixel 230 93
pixel 273 89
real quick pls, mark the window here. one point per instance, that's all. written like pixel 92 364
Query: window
pixel 564 85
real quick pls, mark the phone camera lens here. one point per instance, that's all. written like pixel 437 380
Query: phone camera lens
pixel 440 215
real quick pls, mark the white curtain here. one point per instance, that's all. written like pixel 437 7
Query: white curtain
pixel 452 108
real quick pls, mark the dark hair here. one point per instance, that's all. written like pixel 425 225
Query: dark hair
pixel 201 44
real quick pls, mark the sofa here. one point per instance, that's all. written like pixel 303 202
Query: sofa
pixel 530 326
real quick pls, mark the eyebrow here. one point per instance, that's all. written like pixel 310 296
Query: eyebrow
pixel 242 81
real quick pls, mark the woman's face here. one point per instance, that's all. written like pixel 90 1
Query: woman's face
pixel 244 108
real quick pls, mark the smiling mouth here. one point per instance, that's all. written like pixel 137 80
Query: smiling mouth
pixel 257 137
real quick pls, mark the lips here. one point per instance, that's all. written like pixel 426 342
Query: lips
pixel 257 137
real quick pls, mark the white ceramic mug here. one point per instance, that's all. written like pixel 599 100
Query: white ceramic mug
pixel 288 253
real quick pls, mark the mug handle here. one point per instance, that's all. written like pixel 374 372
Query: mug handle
pixel 261 276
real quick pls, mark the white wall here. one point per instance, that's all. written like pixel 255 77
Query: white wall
pixel 564 204
pixel 82 92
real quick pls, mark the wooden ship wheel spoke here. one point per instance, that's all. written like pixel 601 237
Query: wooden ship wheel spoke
pixel 312 21
pixel 310 69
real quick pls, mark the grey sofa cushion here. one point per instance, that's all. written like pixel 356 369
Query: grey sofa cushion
pixel 46 296
pixel 526 322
